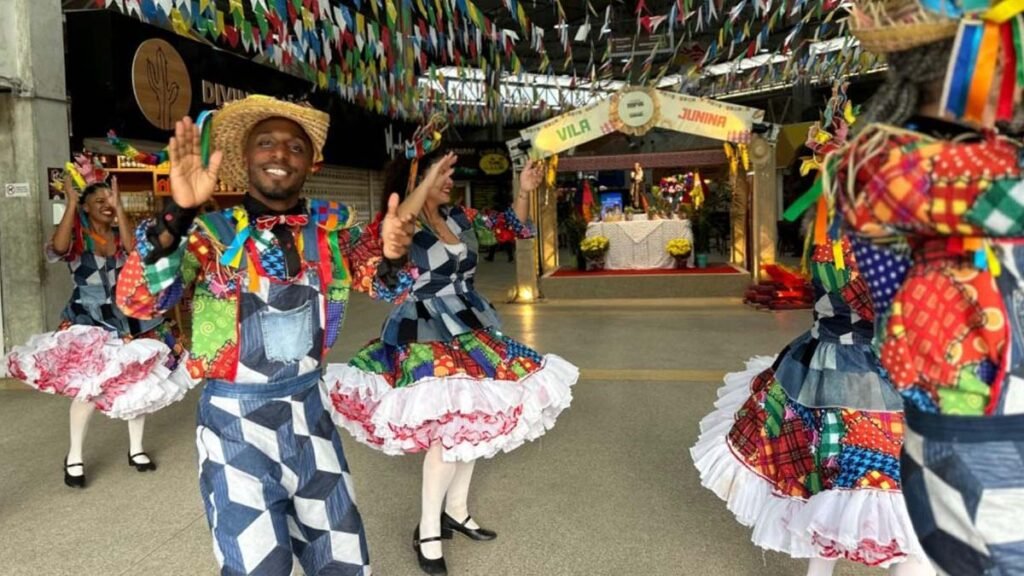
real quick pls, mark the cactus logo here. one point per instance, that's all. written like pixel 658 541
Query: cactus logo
pixel 161 83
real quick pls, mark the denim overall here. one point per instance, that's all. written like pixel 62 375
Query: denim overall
pixel 272 472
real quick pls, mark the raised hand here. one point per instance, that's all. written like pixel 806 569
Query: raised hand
pixel 70 194
pixel 115 193
pixel 396 231
pixel 192 184
pixel 531 176
pixel 440 171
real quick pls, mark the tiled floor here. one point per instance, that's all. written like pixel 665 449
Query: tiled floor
pixel 610 491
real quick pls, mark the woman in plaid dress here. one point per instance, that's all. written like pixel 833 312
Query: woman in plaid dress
pixel 804 448
pixel 443 379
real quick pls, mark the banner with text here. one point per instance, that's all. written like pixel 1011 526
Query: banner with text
pixel 569 130
pixel 708 118
pixel 635 111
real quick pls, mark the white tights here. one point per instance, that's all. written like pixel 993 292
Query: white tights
pixel 79 416
pixel 445 486
pixel 909 567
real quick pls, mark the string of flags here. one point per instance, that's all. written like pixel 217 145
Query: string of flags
pixel 385 55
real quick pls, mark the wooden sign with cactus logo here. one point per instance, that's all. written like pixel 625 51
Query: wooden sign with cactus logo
pixel 161 83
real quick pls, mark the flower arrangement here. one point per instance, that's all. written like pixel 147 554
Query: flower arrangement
pixel 594 247
pixel 679 247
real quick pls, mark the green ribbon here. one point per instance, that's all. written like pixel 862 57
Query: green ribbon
pixel 1018 30
pixel 205 122
pixel 339 273
pixel 803 203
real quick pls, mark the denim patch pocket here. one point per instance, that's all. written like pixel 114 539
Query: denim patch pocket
pixel 287 335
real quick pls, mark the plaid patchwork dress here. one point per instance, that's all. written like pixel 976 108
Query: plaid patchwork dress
pixel 442 371
pixel 953 339
pixel 126 367
pixel 805 448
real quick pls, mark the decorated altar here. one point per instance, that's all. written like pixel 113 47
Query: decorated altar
pixel 640 244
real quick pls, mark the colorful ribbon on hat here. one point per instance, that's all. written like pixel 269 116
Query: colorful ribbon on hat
pixel 992 38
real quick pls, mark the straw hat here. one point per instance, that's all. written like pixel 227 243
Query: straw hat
pixel 885 26
pixel 233 122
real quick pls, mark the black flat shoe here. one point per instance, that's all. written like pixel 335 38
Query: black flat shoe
pixel 74 481
pixel 436 566
pixel 141 466
pixel 448 525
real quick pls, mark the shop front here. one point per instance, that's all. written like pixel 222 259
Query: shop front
pixel 136 80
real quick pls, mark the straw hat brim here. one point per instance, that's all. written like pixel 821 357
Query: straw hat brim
pixel 233 122
pixel 901 37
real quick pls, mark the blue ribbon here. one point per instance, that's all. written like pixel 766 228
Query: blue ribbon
pixel 236 247
pixel 963 68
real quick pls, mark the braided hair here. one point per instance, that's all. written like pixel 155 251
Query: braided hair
pixel 911 81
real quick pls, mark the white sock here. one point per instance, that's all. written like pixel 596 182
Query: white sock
pixel 820 567
pixel 437 477
pixel 78 418
pixel 136 427
pixel 912 567
pixel 456 504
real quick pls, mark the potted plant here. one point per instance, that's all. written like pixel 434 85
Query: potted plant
pixel 594 250
pixel 629 213
pixel 715 198
pixel 679 249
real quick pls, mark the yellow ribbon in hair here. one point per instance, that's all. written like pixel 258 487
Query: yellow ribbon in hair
pixel 1004 11
pixel 837 254
pixel 75 176
pixel 808 165
pixel 993 262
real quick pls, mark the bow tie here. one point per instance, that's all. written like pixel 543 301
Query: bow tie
pixel 290 220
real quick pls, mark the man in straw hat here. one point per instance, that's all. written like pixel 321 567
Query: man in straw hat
pixel 271 281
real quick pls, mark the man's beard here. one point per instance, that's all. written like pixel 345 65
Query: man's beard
pixel 275 191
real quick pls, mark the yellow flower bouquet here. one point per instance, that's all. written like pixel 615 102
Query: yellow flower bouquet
pixel 594 246
pixel 679 247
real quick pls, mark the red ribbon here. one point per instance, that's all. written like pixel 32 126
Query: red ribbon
pixel 1004 111
pixel 290 220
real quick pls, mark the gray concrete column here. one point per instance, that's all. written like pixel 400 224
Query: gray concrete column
pixel 33 137
pixel 765 204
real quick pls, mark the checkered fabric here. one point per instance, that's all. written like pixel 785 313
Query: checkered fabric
pixel 443 301
pixel 963 481
pixel 275 482
pixel 857 463
pixel 1000 210
pixel 832 431
pixel 857 296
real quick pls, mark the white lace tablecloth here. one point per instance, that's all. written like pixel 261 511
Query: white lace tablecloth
pixel 640 244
